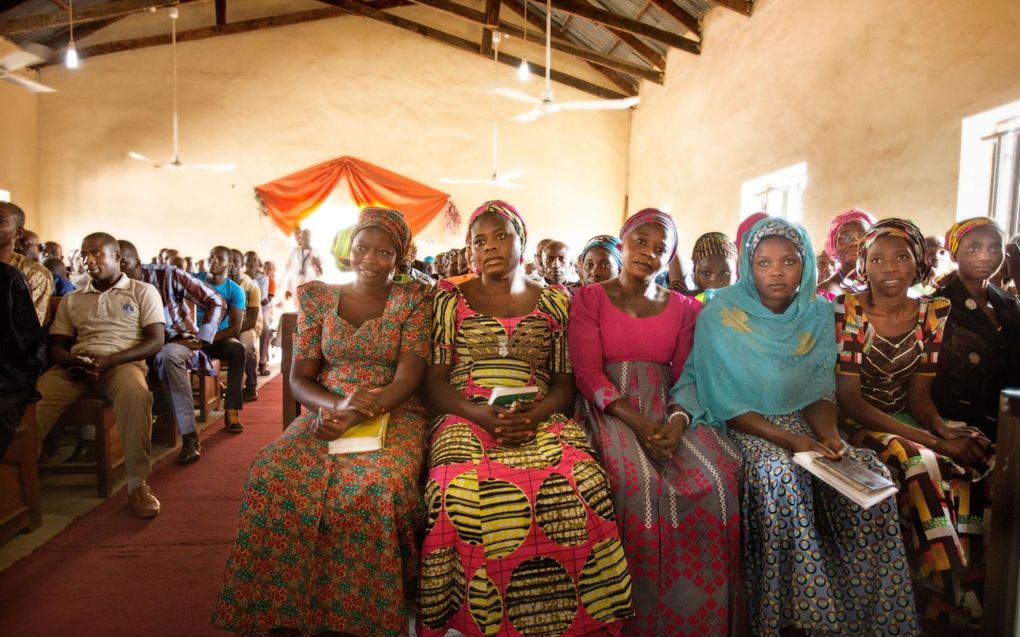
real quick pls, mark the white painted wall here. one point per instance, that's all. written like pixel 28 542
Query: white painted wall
pixel 280 100
pixel 870 93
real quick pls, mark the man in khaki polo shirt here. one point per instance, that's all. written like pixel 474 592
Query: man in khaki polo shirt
pixel 98 343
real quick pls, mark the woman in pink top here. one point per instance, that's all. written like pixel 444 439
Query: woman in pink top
pixel 674 489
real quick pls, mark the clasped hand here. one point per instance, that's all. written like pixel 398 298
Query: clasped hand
pixel 87 367
pixel 661 442
pixel 513 425
pixel 966 445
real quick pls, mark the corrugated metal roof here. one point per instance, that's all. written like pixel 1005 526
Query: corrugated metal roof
pixel 31 8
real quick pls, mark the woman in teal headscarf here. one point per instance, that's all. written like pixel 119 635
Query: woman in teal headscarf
pixel 763 364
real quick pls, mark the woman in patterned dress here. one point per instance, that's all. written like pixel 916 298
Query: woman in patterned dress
pixel 762 362
pixel 888 353
pixel 521 538
pixel 327 543
pixel 674 486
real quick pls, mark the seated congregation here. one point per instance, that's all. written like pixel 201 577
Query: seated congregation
pixel 648 488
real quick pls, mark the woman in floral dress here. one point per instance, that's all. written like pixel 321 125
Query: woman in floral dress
pixel 327 543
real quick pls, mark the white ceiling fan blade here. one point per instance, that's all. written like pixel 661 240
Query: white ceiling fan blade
pixel 529 116
pixel 514 94
pixel 600 105
pixel 140 157
pixel 26 83
pixel 27 56
pixel 512 174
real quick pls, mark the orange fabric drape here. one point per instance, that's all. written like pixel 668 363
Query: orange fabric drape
pixel 290 199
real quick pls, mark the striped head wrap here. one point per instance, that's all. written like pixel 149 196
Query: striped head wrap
pixel 607 242
pixel 389 221
pixel 745 225
pixel 712 243
pixel 903 229
pixel 774 227
pixel 505 210
pixel 657 217
pixel 854 214
pixel 960 228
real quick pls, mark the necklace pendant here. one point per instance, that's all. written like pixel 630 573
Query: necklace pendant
pixel 504 351
pixel 970 304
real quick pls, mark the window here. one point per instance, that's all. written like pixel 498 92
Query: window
pixel 5 195
pixel 990 167
pixel 780 193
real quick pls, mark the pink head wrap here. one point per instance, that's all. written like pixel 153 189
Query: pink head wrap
pixel 745 225
pixel 854 214
pixel 657 217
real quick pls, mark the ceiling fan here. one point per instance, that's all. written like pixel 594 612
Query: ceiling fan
pixel 28 55
pixel 175 158
pixel 546 104
pixel 498 179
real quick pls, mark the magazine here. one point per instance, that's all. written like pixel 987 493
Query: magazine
pixel 855 481
pixel 367 436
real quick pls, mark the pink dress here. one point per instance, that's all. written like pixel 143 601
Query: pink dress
pixel 680 520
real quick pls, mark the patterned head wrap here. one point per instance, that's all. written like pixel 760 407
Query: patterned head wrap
pixel 712 243
pixel 903 229
pixel 657 217
pixel 854 214
pixel 775 227
pixel 745 225
pixel 960 228
pixel 607 242
pixel 505 210
pixel 389 221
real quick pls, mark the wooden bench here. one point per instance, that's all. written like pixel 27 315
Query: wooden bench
pixel 20 504
pixel 291 407
pixel 109 464
pixel 1002 578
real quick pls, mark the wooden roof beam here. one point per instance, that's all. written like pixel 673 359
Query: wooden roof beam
pixel 221 13
pixel 94 13
pixel 743 7
pixel 465 45
pixel 579 52
pixel 59 40
pixel 609 19
pixel 491 17
pixel 680 14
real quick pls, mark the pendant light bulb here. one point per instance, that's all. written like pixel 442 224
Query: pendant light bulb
pixel 71 57
pixel 523 72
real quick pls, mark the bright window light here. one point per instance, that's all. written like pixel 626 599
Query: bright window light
pixel 5 195
pixel 779 193
pixel 990 166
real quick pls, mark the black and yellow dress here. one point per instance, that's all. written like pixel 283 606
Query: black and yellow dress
pixel 520 540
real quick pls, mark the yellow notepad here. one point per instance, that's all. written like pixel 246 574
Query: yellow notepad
pixel 367 436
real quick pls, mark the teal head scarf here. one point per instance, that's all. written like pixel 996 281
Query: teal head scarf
pixel 747 358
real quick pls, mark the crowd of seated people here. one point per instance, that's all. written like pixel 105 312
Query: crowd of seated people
pixel 129 332
pixel 649 486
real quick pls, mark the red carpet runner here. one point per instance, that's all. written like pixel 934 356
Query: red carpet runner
pixel 111 574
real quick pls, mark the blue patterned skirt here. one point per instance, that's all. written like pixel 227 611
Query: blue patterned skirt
pixel 814 559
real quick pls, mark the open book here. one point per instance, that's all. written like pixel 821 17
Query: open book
pixel 855 481
pixel 368 436
pixel 505 396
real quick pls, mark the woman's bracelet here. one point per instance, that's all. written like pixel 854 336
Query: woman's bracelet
pixel 680 412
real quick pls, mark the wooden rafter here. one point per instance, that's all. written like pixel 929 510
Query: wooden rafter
pixel 92 13
pixel 221 13
pixel 594 57
pixel 743 7
pixel 465 45
pixel 680 14
pixel 625 83
pixel 491 17
pixel 609 19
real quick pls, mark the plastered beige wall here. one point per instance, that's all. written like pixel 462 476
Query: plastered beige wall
pixel 18 130
pixel 279 100
pixel 869 93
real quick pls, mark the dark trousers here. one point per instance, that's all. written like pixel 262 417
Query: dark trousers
pixel 231 352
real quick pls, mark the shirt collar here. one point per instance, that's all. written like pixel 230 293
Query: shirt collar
pixel 122 283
